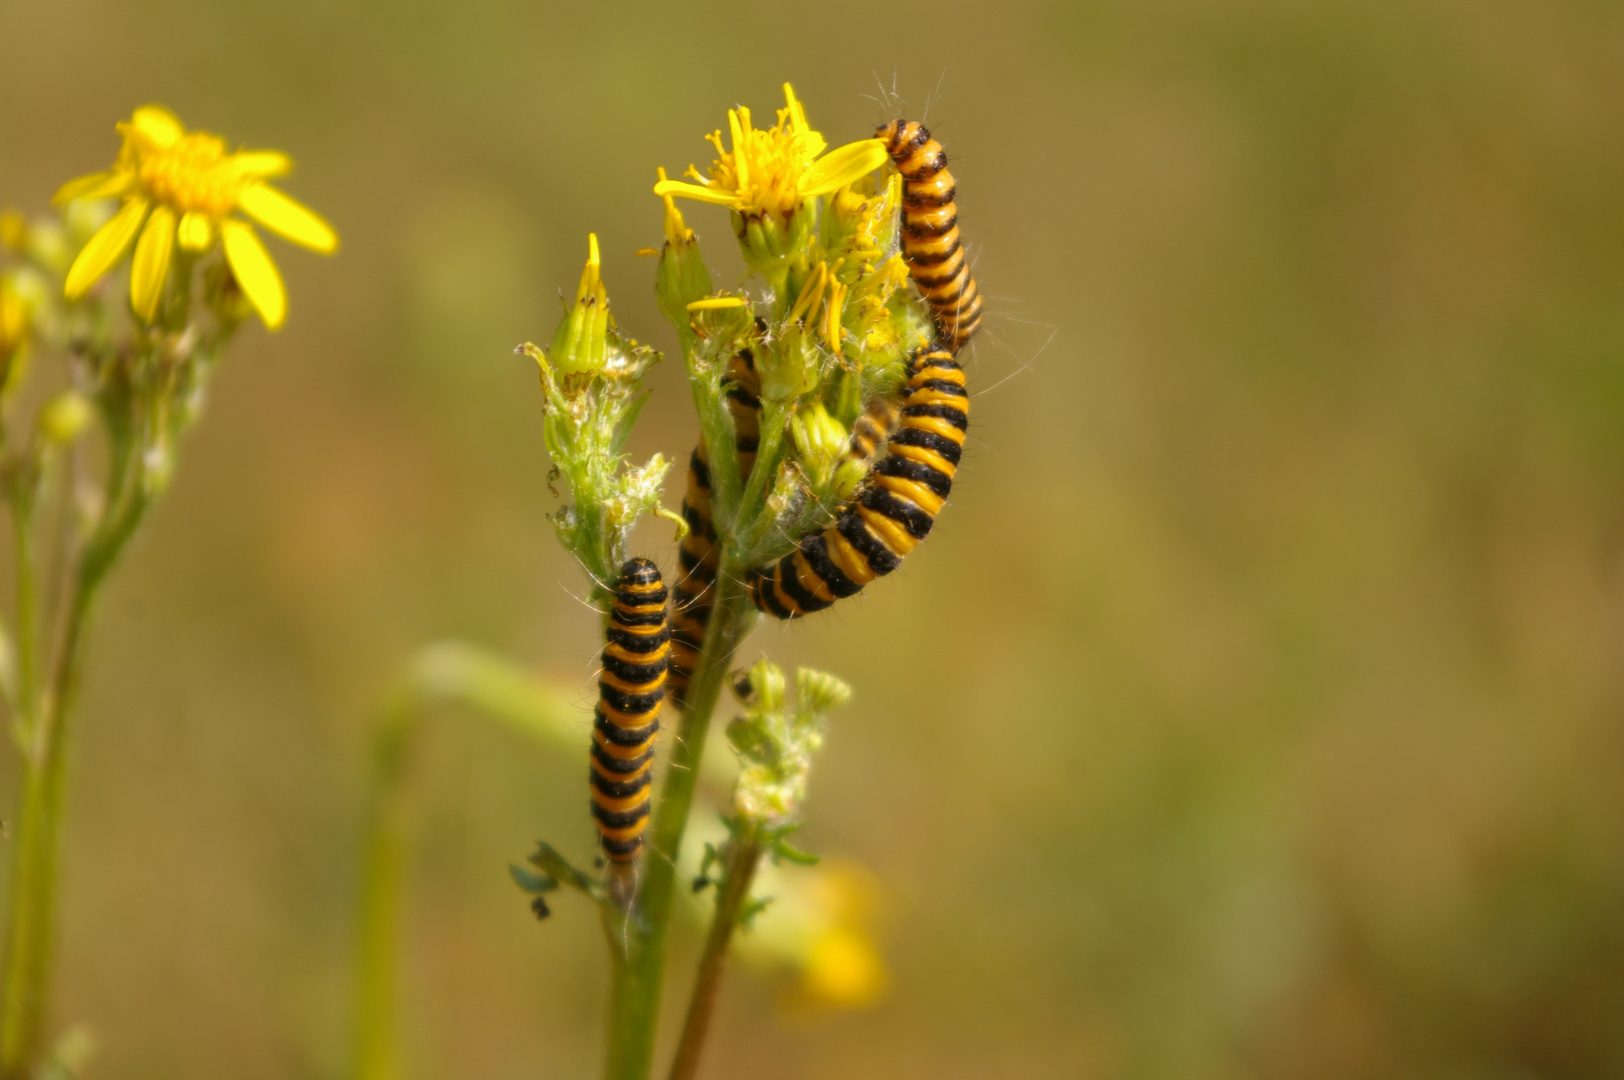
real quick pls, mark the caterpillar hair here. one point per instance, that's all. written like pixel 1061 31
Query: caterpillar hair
pixel 930 231
pixel 630 691
pixel 698 557
pixel 895 509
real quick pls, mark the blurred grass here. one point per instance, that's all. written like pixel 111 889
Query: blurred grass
pixel 1255 712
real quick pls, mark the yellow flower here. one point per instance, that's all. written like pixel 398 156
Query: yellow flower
pixel 13 319
pixel 14 333
pixel 771 170
pixel 844 969
pixel 183 187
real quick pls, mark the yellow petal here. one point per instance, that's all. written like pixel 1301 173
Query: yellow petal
pixel 842 165
pixel 196 231
pixel 808 144
pixel 719 196
pixel 102 185
pixel 288 218
pixel 157 125
pixel 252 266
pixel 797 112
pixel 262 164
pixel 104 249
pixel 151 263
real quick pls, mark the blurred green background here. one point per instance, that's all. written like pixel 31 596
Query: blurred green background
pixel 1256 709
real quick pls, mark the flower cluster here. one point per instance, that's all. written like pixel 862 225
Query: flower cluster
pixel 134 386
pixel 775 743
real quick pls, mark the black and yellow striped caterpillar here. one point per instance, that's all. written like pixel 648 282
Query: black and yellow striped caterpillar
pixel 895 509
pixel 631 689
pixel 930 231
pixel 698 557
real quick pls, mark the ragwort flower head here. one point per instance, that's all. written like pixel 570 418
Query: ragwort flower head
pixel 183 187
pixel 771 171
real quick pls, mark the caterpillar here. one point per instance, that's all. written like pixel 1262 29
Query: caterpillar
pixel 930 231
pixel 698 556
pixel 895 509
pixel 631 689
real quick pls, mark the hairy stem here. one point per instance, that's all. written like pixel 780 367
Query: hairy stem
pixel 637 939
pixel 743 856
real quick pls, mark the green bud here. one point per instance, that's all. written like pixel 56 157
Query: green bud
pixel 771 243
pixel 776 749
pixel 65 417
pixel 767 685
pixel 820 442
pixel 682 277
pixel 819 692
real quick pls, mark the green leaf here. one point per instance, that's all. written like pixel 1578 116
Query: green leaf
pixel 531 881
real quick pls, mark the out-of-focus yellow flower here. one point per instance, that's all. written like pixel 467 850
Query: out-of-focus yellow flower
pixel 183 187
pixel 15 332
pixel 843 966
pixel 13 325
pixel 843 969
pixel 13 230
pixel 771 170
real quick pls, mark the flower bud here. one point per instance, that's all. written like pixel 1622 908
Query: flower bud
pixel 820 442
pixel 581 343
pixel 820 692
pixel 775 746
pixel 591 379
pixel 14 335
pixel 65 417
pixel 682 277
pixel 770 242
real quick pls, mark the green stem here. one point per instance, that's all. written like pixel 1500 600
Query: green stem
pixel 774 420
pixel 31 922
pixel 27 572
pixel 377 973
pixel 743 856
pixel 637 941
pixel 30 930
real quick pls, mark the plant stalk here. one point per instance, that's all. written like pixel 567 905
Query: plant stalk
pixel 31 926
pixel 377 1054
pixel 743 856
pixel 637 939
pixel 31 915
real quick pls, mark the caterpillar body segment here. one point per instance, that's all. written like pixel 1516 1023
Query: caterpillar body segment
pixel 896 507
pixel 631 689
pixel 697 560
pixel 698 555
pixel 872 429
pixel 930 231
pixel 744 402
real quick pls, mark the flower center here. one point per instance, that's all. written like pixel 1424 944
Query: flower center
pixel 194 174
pixel 765 166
